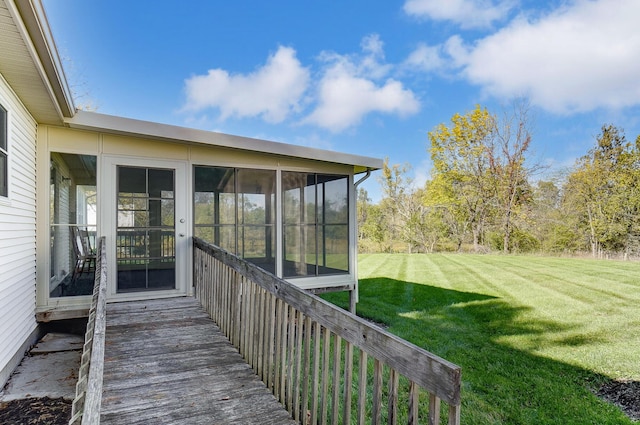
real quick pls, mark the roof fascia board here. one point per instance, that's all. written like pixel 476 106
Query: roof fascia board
pixel 84 120
pixel 31 20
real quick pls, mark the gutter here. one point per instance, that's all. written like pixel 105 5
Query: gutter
pixel 355 294
pixel 366 176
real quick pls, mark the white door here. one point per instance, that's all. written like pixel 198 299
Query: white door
pixel 146 228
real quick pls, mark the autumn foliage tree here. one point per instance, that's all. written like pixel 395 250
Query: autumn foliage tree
pixel 603 191
pixel 459 153
pixel 482 193
pixel 482 162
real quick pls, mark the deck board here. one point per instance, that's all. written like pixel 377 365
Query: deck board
pixel 166 362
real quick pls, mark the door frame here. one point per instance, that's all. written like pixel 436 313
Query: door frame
pixel 108 220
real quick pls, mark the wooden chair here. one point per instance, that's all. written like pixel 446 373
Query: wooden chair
pixel 85 257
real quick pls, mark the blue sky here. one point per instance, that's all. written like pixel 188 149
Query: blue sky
pixel 364 77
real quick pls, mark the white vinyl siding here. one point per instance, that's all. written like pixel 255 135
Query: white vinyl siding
pixel 17 234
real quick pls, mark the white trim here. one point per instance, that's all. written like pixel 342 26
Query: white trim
pixel 324 281
pixel 279 226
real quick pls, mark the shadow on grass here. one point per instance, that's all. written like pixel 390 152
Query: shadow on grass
pixel 503 383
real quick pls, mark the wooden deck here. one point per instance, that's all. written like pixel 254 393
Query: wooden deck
pixel 166 362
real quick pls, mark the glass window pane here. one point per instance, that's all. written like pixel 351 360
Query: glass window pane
pixel 146 233
pixel 334 252
pixel 161 212
pixel 254 209
pixel 203 208
pixel 299 251
pixel 132 181
pixel 299 197
pixel 292 251
pixel 4 131
pixel 310 204
pixel 160 183
pixel 130 244
pixel 256 192
pixel 214 179
pixel 336 200
pixel 291 205
pixel 73 217
pixel 225 238
pixel 256 244
pixel 252 242
pixel 4 172
pixel 161 244
pixel 214 197
pixel 204 232
pixel 133 218
pixel 226 208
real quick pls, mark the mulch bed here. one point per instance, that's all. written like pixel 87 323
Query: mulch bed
pixel 57 411
pixel 35 411
pixel 625 395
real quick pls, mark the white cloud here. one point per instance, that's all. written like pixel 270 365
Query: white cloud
pixel 349 89
pixel 466 13
pixel 426 58
pixel 271 92
pixel 575 59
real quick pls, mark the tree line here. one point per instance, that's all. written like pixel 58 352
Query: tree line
pixel 486 193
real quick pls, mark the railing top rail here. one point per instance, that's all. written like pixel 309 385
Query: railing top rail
pixel 89 388
pixel 431 372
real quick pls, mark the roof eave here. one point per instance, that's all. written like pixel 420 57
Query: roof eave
pixel 46 53
pixel 93 121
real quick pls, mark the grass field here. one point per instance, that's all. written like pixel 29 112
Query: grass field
pixel 535 336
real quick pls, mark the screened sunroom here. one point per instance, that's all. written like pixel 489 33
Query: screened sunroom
pixel 150 188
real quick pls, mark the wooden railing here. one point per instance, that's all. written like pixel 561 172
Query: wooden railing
pixel 324 364
pixel 86 405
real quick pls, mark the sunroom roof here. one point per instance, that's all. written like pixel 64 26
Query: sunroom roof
pixel 93 121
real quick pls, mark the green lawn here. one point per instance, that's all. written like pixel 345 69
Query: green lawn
pixel 534 336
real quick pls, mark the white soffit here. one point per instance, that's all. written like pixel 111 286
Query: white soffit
pixel 30 62
pixel 92 121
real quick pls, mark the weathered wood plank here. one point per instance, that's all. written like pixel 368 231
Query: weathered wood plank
pixel 166 362
pixel 362 387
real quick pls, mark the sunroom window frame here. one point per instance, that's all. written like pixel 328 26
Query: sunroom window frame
pixel 319 226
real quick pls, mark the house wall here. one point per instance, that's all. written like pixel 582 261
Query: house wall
pixel 18 328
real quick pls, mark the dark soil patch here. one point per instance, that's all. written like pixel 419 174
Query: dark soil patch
pixel 625 395
pixel 35 411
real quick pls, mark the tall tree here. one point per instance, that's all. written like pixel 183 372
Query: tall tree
pixel 407 216
pixel 508 166
pixel 604 189
pixel 483 162
pixel 461 163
